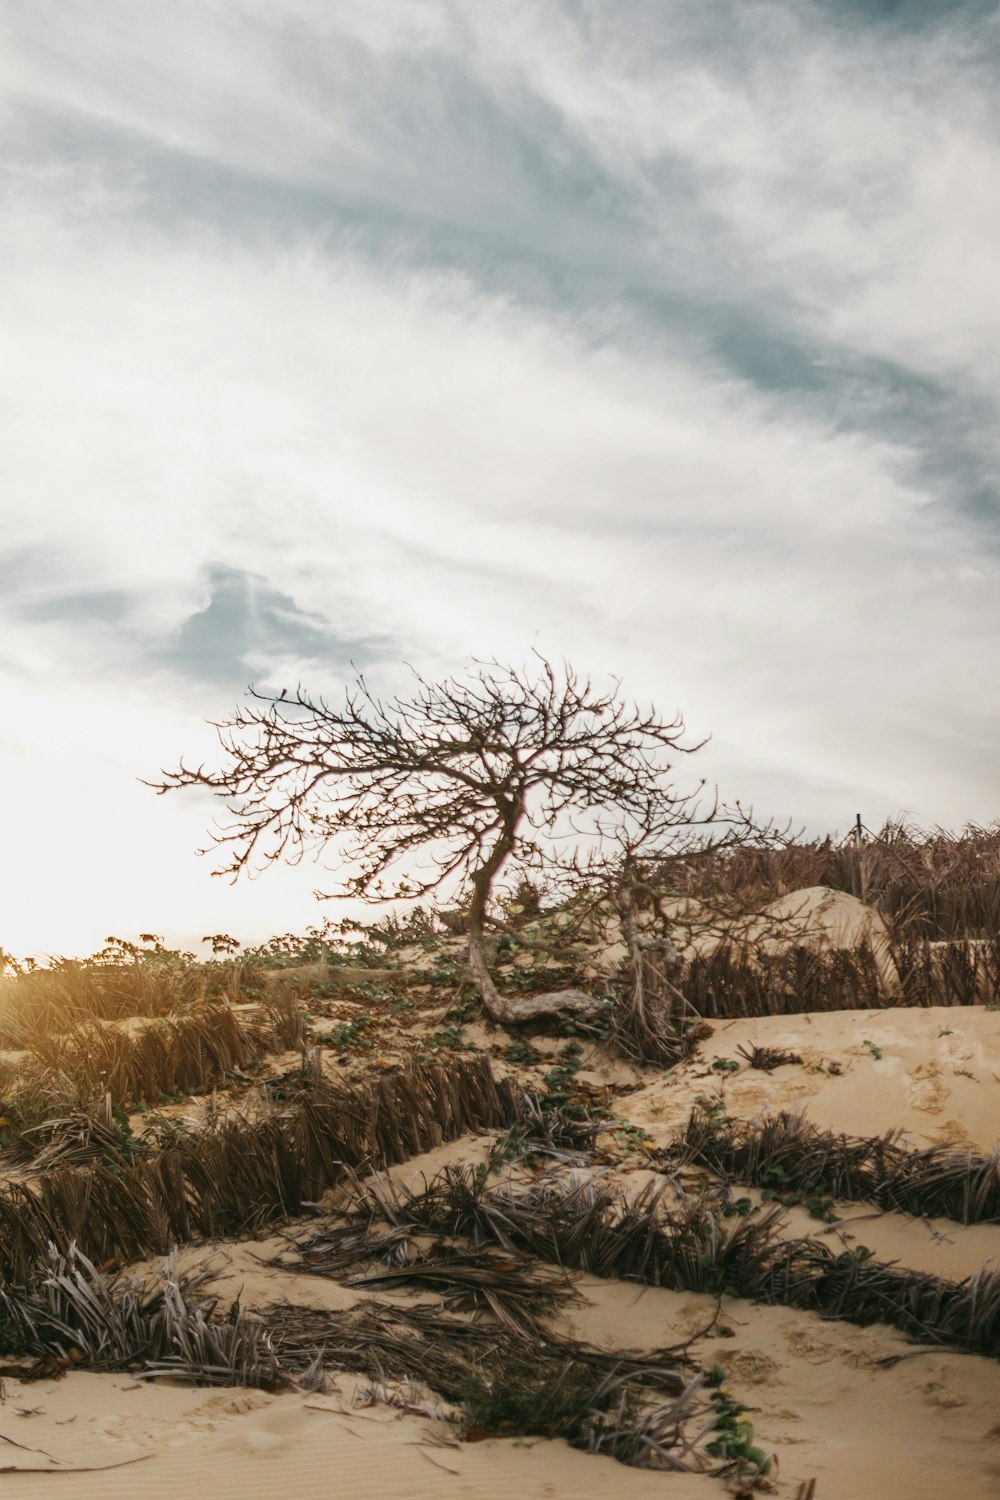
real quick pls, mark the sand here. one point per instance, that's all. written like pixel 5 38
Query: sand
pixel 937 1078
pixel 231 1444
pixel 926 1427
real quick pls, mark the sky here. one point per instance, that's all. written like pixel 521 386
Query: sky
pixel 661 337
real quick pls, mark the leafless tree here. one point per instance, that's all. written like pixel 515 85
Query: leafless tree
pixel 443 787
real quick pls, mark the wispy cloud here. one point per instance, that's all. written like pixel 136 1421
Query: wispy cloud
pixel 662 335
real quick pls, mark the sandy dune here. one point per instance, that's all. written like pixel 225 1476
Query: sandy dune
pixel 926 1427
pixel 937 1078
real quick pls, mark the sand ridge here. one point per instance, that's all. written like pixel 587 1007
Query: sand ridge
pixel 845 1406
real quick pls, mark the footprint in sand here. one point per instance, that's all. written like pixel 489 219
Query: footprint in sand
pixel 804 1343
pixel 751 1367
pixel 928 1091
pixel 752 1094
pixel 207 1415
pixel 936 1393
pixel 793 1090
pixel 862 1359
pixel 231 1406
pixel 820 1351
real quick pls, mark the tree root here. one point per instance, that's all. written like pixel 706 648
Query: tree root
pixel 514 1012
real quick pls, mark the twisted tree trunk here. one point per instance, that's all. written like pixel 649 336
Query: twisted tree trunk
pixel 511 1011
pixel 652 1026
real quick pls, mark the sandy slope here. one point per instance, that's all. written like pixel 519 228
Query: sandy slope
pixel 921 1429
pixel 938 1076
pixel 927 1427
pixel 234 1444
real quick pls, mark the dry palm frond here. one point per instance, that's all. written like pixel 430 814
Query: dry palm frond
pixel 71 992
pixel 78 1315
pixel 337 1249
pixel 736 982
pixel 505 1382
pixel 549 1133
pixel 516 1293
pixel 238 1352
pixel 421 1343
pixel 766 1059
pixel 595 1227
pixel 958 971
pixel 646 1436
pixel 241 1174
pixel 853 1286
pixel 728 982
pixel 653 1024
pixel 786 1150
pixel 936 884
pixel 165 1057
pixel 80 1139
pixel 285 1017
pixel 82 1317
pixel 589 1225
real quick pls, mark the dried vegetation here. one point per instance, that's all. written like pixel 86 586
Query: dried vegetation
pixel 240 1174
pixel 643 1409
pixel 786 1149
pixel 936 885
pixel 72 1314
pixel 693 1246
pixel 938 893
pixel 498 1256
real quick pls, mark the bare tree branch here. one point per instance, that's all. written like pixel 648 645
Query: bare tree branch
pixel 442 786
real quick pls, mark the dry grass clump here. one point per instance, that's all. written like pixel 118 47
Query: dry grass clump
pixel 634 1407
pixel 766 1059
pixel 65 1078
pixel 551 1134
pixel 71 992
pixel 120 982
pixel 241 1174
pixel 75 1315
pixel 939 894
pixel 284 1016
pixel 168 1056
pixel 956 972
pixel 733 982
pixel 589 1225
pixel 596 1227
pixel 786 1150
pixel 653 1023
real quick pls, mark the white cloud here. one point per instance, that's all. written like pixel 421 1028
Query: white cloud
pixel 426 456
